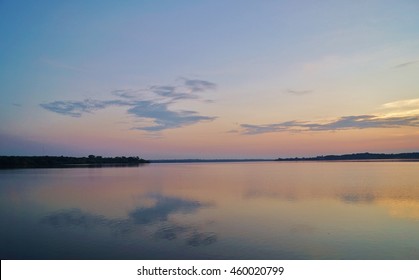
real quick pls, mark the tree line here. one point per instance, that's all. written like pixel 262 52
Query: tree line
pixel 358 156
pixel 62 161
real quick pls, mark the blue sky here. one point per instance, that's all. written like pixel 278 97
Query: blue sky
pixel 269 63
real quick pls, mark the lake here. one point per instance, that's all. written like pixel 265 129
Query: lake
pixel 244 210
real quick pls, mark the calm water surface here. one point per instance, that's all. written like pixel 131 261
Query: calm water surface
pixel 267 210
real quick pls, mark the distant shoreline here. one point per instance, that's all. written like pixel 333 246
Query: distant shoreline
pixel 19 162
pixel 359 157
pixel 206 160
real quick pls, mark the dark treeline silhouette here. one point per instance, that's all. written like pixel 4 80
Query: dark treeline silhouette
pixel 359 156
pixel 61 161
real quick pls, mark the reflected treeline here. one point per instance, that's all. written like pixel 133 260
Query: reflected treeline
pixel 357 198
pixel 262 193
pixel 52 161
pixel 344 195
pixel 291 195
pixel 154 218
pixel 401 202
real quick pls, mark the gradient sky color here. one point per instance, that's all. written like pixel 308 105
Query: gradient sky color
pixel 208 79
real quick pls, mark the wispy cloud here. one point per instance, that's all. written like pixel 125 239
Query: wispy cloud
pixel 77 108
pixel 298 92
pixel 400 108
pixel 163 117
pixel 409 63
pixel 392 114
pixel 342 123
pixel 402 104
pixel 172 92
pixel 73 108
pixel 188 89
pixel 199 85
pixel 125 93
pixel 155 107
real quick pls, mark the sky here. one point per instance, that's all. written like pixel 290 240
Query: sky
pixel 209 79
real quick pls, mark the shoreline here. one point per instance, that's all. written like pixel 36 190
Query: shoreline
pixel 23 162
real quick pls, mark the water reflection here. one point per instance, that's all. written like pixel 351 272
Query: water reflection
pixel 402 209
pixel 201 238
pixel 170 231
pixel 77 218
pixel 357 198
pixel 403 203
pixel 393 187
pixel 256 211
pixel 163 207
pixel 154 218
pixel 302 229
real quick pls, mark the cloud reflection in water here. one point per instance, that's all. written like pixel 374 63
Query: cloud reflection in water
pixel 164 206
pixel 139 219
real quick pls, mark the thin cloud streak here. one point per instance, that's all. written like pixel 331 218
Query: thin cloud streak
pixel 74 108
pixel 343 123
pixel 199 85
pixel 409 63
pixel 125 93
pixel 401 108
pixel 298 92
pixel 172 93
pixel 402 104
